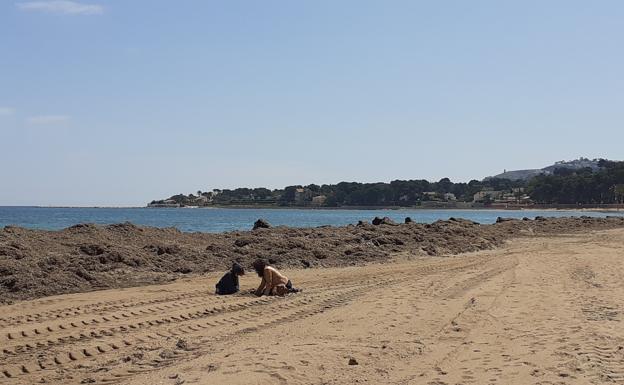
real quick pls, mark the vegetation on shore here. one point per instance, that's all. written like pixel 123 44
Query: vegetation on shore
pixel 564 186
pixel 601 185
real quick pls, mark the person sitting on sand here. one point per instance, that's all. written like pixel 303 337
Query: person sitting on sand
pixel 273 282
pixel 228 284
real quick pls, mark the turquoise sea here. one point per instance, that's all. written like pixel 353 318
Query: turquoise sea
pixel 219 220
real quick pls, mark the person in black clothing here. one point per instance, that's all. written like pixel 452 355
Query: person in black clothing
pixel 228 284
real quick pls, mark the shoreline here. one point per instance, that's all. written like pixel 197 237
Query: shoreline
pixel 346 208
pixel 88 257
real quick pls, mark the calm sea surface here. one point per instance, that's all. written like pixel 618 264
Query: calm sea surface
pixel 219 220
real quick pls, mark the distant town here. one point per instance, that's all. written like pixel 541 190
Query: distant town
pixel 596 182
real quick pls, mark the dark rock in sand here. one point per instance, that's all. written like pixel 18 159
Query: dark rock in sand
pixel 261 224
pixel 353 361
pixel 501 219
pixel 388 221
pixel 182 344
pixel 383 221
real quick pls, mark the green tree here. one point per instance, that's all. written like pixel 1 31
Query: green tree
pixel 619 193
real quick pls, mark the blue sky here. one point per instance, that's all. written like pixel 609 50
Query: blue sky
pixel 116 102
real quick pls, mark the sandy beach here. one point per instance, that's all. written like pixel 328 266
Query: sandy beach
pixel 544 310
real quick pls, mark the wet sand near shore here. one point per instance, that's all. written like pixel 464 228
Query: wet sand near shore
pixel 536 311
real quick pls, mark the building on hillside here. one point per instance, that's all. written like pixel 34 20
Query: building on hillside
pixel 201 200
pixel 430 196
pixel 319 200
pixel 450 197
pixel 485 195
pixel 517 190
pixel 302 195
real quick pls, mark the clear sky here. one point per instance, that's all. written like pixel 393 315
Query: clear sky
pixel 117 102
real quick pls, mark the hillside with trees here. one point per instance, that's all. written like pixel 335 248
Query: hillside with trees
pixel 575 164
pixel 603 184
pixel 584 186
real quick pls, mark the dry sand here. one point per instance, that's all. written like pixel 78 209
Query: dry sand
pixel 536 311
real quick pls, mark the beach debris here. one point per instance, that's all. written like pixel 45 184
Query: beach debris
pixel 37 263
pixel 261 224
pixel 92 250
pixel 171 249
pixel 182 344
pixel 353 361
pixel 242 242
pixel 408 220
pixel 383 221
pixel 166 354
pixel 168 249
pixel 184 270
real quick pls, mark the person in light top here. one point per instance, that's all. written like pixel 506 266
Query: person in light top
pixel 273 282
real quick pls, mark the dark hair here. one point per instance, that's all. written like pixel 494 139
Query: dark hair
pixel 237 269
pixel 259 265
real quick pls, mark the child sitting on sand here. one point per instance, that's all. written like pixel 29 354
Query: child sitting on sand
pixel 273 282
pixel 228 284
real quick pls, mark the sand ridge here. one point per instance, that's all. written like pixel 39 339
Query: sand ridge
pixel 536 311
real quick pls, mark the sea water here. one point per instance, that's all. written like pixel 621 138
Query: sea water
pixel 223 219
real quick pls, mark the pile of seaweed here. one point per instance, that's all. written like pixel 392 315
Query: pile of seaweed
pixel 37 263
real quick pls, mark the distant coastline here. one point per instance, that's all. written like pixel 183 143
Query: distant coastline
pixel 595 208
pixel 578 184
pixel 410 208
